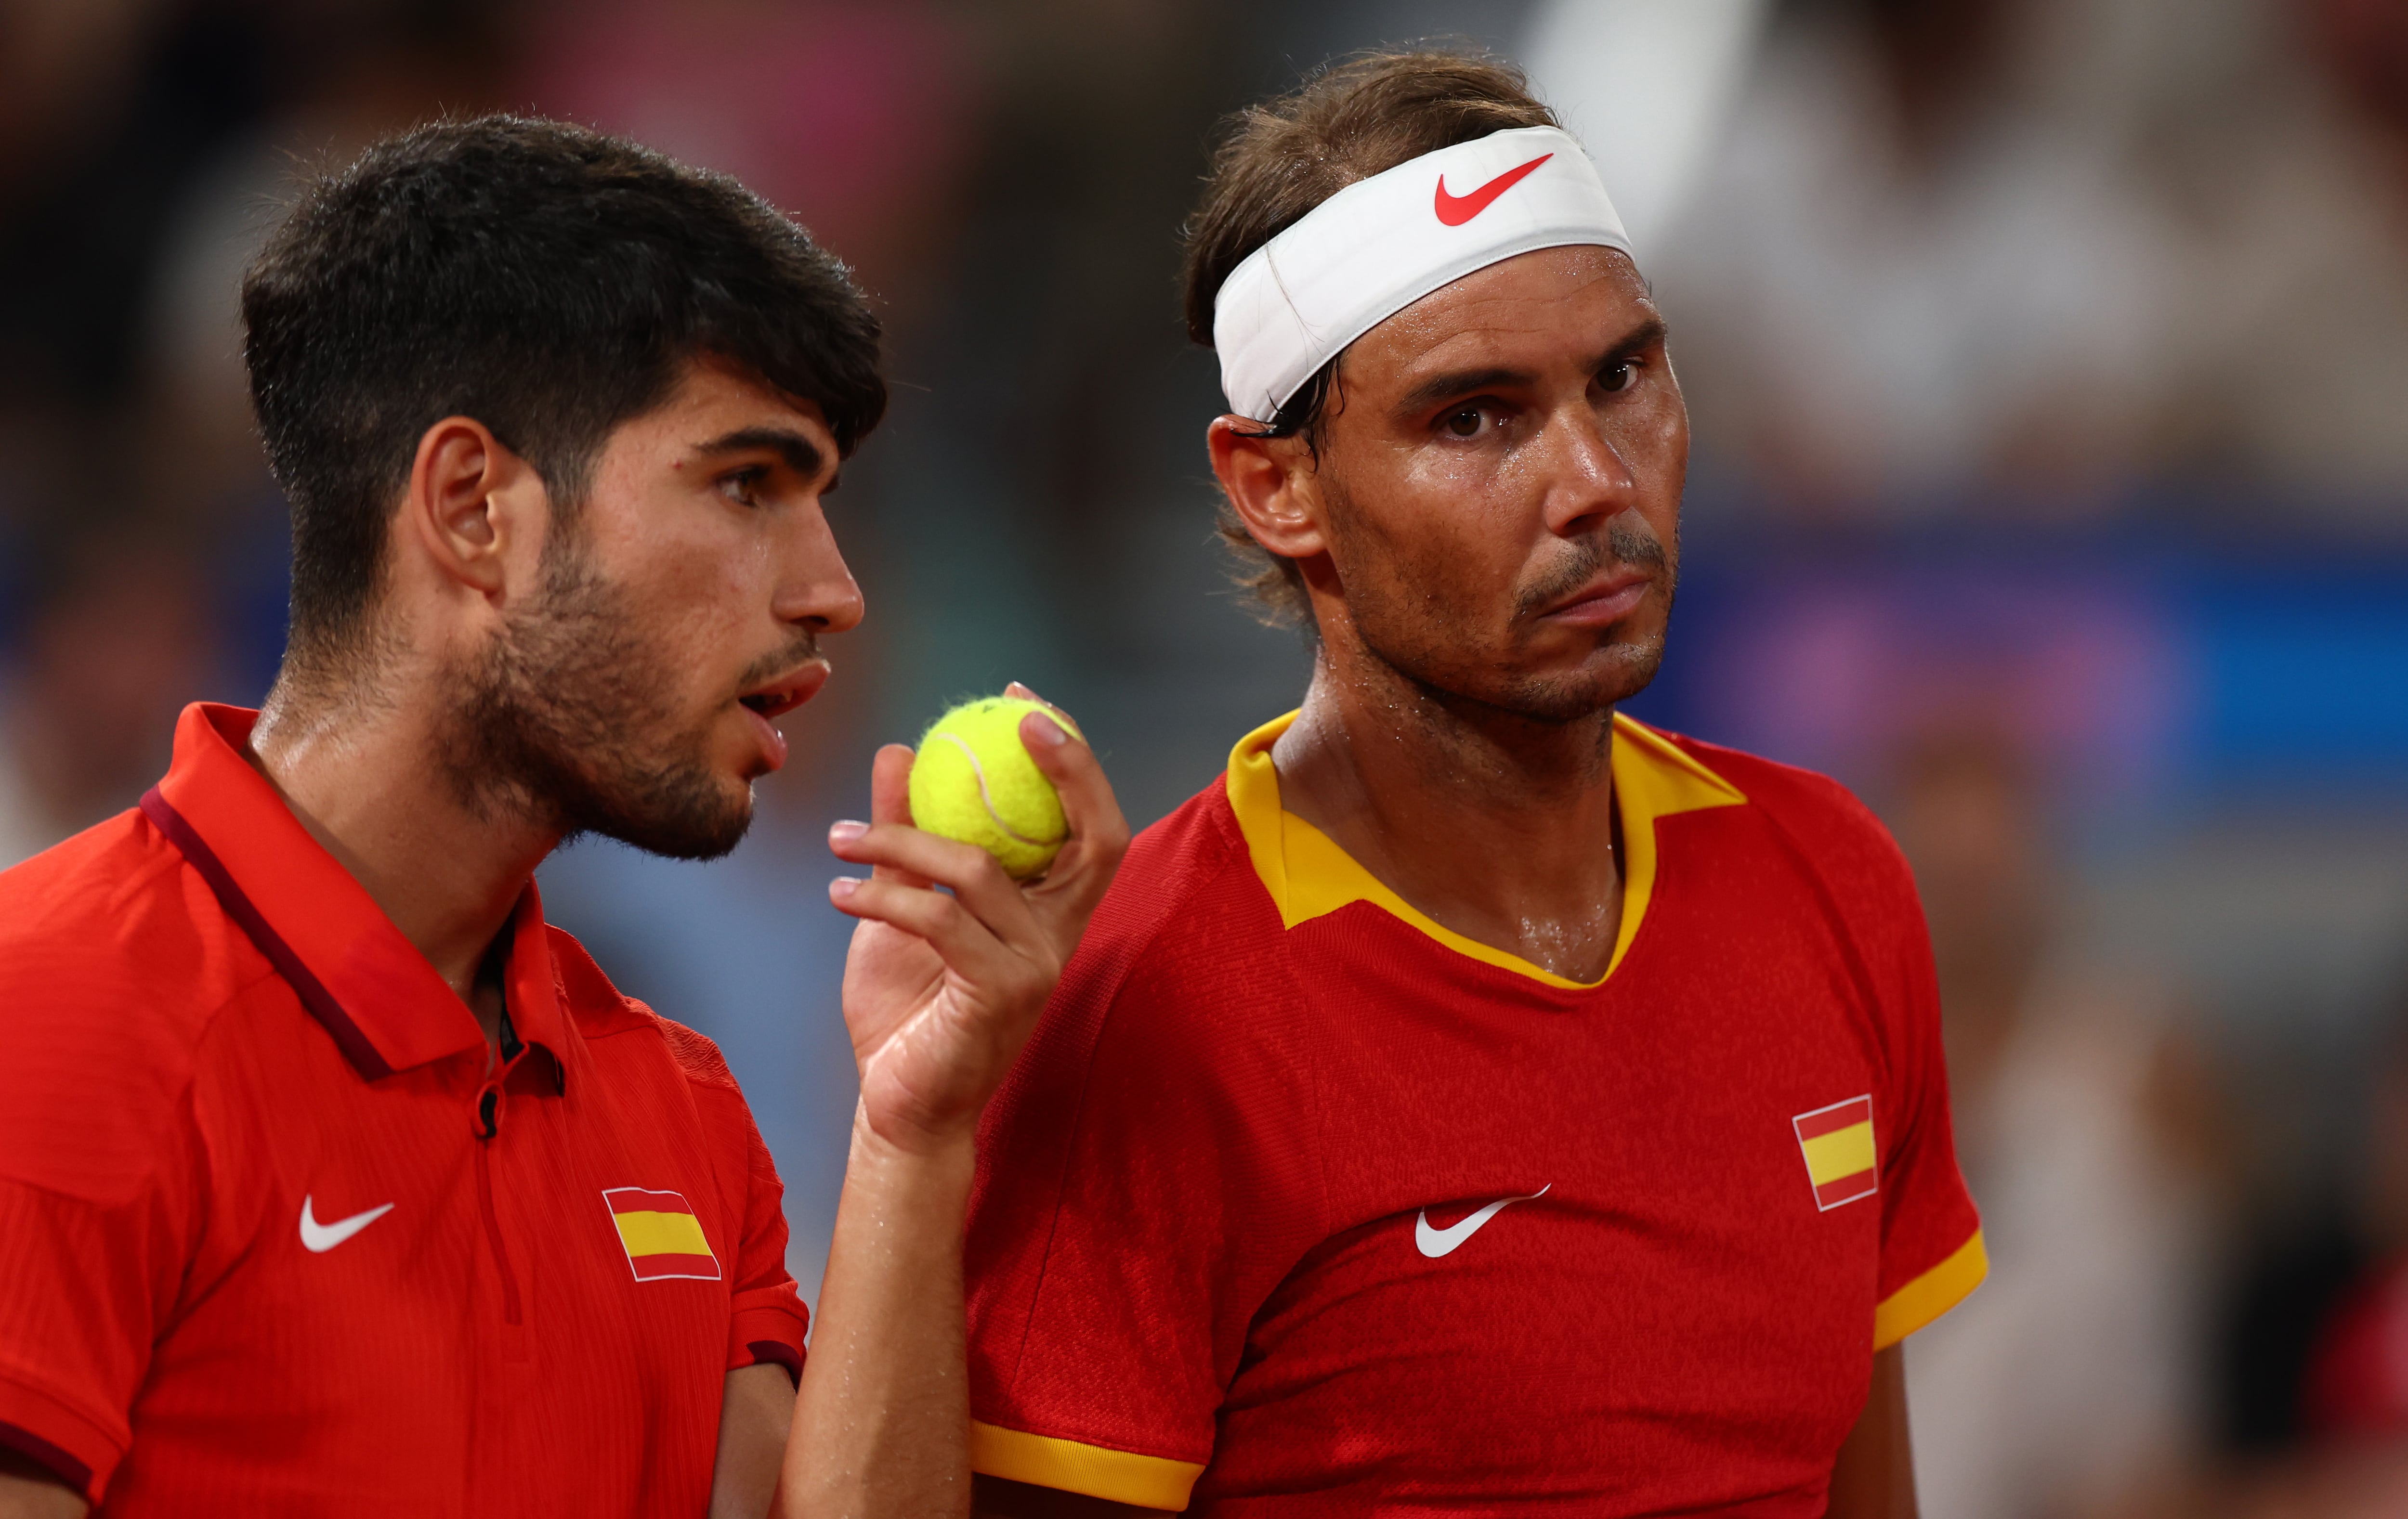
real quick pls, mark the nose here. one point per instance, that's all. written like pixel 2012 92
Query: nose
pixel 1589 483
pixel 816 589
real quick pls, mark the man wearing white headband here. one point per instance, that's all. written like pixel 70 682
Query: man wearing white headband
pixel 1477 1101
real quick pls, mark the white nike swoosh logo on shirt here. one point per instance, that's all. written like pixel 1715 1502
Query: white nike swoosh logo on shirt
pixel 1437 1242
pixel 318 1238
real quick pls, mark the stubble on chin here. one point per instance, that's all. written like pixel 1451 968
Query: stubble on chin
pixel 1402 624
pixel 565 721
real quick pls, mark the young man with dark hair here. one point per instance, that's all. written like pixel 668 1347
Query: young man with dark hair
pixel 332 1180
pixel 1479 1101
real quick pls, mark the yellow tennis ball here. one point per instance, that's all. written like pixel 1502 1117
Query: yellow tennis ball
pixel 973 780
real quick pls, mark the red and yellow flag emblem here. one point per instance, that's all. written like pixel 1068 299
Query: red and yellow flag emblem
pixel 662 1236
pixel 1838 1143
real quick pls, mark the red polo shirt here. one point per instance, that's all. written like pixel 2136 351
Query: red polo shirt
pixel 1302 1203
pixel 274 1239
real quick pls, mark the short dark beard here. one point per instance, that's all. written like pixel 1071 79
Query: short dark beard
pixel 565 721
pixel 1406 631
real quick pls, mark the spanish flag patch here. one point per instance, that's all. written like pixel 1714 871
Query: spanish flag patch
pixel 1838 1143
pixel 662 1236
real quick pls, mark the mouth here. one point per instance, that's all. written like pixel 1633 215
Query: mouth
pixel 1606 598
pixel 775 697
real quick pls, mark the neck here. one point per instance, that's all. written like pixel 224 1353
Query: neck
pixel 365 777
pixel 1498 827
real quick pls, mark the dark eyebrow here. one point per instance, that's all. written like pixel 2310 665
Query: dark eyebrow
pixel 1464 381
pixel 1646 335
pixel 800 453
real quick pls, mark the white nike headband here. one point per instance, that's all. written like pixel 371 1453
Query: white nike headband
pixel 1382 243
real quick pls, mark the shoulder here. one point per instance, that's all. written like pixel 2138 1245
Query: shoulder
pixel 1824 824
pixel 1185 916
pixel 1798 798
pixel 114 926
pixel 67 905
pixel 1185 857
pixel 1172 1000
pixel 1852 872
pixel 666 1080
pixel 695 1057
pixel 602 1011
pixel 116 966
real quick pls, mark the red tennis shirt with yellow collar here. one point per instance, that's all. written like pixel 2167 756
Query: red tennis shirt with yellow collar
pixel 280 1237
pixel 1300 1203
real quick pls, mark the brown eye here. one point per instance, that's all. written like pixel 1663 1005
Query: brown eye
pixel 1617 377
pixel 1465 422
pixel 742 486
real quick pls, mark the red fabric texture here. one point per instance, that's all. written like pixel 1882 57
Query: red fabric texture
pixel 1193 1232
pixel 168 1100
pixel 2358 1376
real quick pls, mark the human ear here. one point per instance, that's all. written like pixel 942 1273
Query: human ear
pixel 472 504
pixel 1270 484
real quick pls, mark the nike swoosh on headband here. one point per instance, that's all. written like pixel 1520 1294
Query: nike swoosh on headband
pixel 1454 210
pixel 1381 243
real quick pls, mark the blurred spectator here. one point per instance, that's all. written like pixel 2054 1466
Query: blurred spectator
pixel 2353 1460
pixel 64 66
pixel 2358 1482
pixel 2355 1391
pixel 2358 1383
pixel 2285 161
pixel 1836 654
pixel 2068 1387
pixel 110 105
pixel 852 119
pixel 368 68
pixel 1909 271
pixel 2049 248
pixel 117 639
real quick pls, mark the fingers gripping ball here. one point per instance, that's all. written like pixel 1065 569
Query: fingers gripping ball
pixel 973 780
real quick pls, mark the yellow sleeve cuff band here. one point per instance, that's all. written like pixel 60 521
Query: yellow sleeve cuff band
pixel 1930 1295
pixel 1149 1481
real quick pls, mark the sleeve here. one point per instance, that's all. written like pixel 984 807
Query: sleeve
pixel 767 1321
pixel 1931 1252
pixel 1144 1183
pixel 101 1179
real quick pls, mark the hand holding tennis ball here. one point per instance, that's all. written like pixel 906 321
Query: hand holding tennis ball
pixel 989 849
pixel 975 781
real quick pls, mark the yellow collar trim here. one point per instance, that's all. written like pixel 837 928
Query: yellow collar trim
pixel 1308 876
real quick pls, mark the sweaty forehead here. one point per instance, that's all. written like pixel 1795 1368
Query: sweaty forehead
pixel 1519 313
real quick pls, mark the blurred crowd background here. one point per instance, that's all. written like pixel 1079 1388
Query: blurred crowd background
pixel 2048 362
